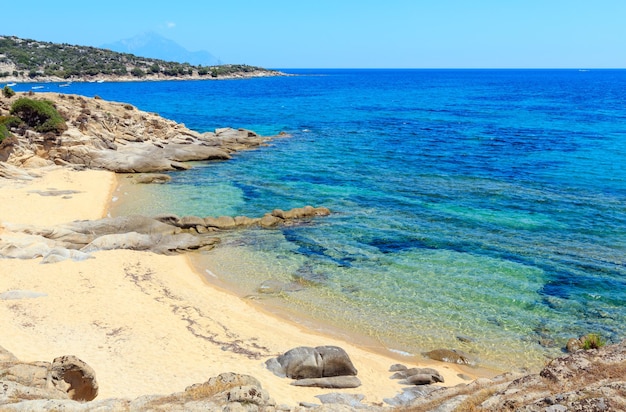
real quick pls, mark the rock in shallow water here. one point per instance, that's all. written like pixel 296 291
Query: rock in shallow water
pixel 450 356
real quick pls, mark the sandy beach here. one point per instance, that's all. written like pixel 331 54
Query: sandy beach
pixel 147 323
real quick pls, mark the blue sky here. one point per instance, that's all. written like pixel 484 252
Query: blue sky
pixel 348 33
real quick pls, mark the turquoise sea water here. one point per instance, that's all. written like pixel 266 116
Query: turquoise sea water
pixel 483 204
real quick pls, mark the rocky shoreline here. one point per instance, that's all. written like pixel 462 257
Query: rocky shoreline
pixel 592 380
pixel 120 138
pixel 148 77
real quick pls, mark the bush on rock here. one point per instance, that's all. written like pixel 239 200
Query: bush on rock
pixel 41 115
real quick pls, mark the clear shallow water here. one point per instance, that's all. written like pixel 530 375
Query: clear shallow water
pixel 488 204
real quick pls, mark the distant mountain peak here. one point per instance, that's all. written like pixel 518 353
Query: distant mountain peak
pixel 155 46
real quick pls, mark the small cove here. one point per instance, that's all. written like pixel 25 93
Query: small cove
pixel 482 204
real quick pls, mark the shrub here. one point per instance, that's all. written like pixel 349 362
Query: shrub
pixel 10 121
pixel 137 72
pixel 8 92
pixel 592 341
pixel 4 132
pixel 41 115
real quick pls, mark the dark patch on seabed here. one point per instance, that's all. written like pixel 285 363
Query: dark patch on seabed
pixel 249 192
pixel 310 248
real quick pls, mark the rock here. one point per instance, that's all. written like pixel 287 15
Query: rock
pixel 249 395
pixel 334 382
pixel 574 345
pixel 187 222
pixel 8 171
pixel 352 400
pixel 450 356
pixel 301 363
pixel 269 221
pixel 105 135
pixel 169 219
pixel 131 241
pixel 220 383
pixel 301 212
pixel 268 287
pixel 336 361
pixel 222 222
pixel 243 221
pixel 163 235
pixel 397 367
pixel 419 376
pixel 67 377
pixel 308 363
pixel 409 395
pixel 193 152
pixel 35 162
pixel 424 379
pixel 75 376
pixel 59 254
pixel 6 356
pixel 150 178
pixel 591 380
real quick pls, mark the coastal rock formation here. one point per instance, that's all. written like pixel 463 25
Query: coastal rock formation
pixel 591 380
pixel 323 366
pixel 67 377
pixel 165 235
pixel 277 217
pixel 69 384
pixel 120 138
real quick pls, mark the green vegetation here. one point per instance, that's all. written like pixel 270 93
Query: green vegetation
pixel 4 132
pixel 41 115
pixel 6 123
pixel 37 59
pixel 8 92
pixel 592 341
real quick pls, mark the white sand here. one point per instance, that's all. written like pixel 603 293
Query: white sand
pixel 149 324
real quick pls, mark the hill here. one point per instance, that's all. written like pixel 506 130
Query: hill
pixel 155 46
pixel 33 60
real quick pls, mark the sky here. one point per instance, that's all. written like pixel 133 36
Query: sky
pixel 347 33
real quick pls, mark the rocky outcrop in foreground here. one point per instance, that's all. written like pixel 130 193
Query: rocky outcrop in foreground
pixel 587 380
pixel 118 137
pixel 593 380
pixel 164 235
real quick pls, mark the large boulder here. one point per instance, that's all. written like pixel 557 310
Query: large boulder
pixel 299 363
pixel 314 363
pixel 335 361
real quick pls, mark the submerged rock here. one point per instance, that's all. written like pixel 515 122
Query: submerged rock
pixel 450 356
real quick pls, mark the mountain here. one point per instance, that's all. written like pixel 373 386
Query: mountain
pixel 155 46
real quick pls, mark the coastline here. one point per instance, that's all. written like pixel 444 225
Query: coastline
pixel 147 323
pixel 147 77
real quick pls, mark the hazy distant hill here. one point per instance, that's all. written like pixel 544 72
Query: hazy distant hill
pixel 158 47
pixel 25 59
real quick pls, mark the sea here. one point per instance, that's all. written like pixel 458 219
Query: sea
pixel 476 210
